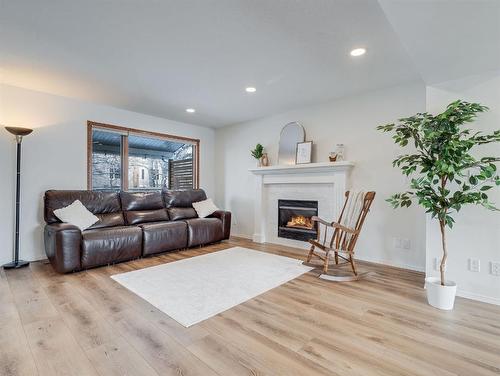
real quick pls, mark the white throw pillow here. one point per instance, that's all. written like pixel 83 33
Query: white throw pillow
pixel 76 214
pixel 205 208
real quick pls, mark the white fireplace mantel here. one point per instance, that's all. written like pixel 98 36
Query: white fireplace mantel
pixel 324 167
pixel 329 180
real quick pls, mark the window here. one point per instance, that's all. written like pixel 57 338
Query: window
pixel 106 165
pixel 129 159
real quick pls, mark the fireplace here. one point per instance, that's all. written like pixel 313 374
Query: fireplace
pixel 294 219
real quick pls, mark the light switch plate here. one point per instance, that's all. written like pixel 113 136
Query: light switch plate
pixel 396 243
pixel 495 268
pixel 406 244
pixel 474 265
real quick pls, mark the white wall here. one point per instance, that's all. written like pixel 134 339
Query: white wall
pixel 350 121
pixel 54 155
pixel 477 231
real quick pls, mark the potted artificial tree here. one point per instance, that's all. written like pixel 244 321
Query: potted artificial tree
pixel 446 176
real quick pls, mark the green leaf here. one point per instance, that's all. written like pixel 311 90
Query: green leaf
pixel 446 174
pixel 258 151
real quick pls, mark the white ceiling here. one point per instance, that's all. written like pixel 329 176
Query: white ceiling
pixel 448 39
pixel 162 56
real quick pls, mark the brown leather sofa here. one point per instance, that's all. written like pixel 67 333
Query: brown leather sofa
pixel 131 225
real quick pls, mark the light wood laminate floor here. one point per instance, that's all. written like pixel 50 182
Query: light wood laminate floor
pixel 87 324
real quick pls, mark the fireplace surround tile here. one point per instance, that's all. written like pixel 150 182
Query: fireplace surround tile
pixel 322 182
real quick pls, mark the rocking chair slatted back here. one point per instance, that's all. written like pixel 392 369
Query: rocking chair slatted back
pixel 337 236
pixel 367 202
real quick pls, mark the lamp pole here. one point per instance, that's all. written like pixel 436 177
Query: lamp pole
pixel 19 133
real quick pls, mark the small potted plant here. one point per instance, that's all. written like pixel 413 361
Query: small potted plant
pixel 446 176
pixel 257 153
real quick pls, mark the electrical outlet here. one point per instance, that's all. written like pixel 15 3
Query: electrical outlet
pixel 396 242
pixel 474 265
pixel 437 263
pixel 406 243
pixel 401 243
pixel 495 268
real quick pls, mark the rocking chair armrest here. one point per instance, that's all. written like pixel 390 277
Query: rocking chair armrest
pixel 322 221
pixel 334 225
pixel 343 228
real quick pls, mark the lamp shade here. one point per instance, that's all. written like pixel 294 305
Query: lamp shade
pixel 19 131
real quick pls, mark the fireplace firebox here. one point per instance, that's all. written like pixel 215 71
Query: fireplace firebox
pixel 294 219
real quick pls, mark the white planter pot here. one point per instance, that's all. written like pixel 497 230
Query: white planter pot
pixel 442 297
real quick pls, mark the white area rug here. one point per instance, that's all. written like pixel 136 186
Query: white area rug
pixel 197 288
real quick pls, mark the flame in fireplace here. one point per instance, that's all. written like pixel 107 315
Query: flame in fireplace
pixel 299 221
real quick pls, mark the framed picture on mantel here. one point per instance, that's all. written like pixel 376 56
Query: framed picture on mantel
pixel 303 152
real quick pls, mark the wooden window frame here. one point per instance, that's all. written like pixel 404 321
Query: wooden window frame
pixel 91 125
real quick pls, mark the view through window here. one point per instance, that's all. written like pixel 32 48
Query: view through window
pixel 124 159
pixel 106 161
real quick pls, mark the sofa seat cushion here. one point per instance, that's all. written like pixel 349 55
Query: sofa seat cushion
pixel 204 231
pixel 163 236
pixel 112 244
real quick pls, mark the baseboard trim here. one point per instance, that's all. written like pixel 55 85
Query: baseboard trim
pixel 242 236
pixel 258 238
pixel 35 259
pixel 478 297
pixel 415 268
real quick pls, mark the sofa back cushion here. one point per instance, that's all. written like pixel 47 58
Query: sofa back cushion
pixel 141 207
pixel 177 214
pixel 104 205
pixel 180 203
pixel 183 199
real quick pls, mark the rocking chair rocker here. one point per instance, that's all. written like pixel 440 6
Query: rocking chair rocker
pixel 344 235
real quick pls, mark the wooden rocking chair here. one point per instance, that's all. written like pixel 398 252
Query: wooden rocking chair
pixel 344 235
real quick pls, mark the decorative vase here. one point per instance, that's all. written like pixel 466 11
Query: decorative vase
pixel 264 160
pixel 442 297
pixel 259 163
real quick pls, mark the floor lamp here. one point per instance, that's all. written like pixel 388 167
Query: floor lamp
pixel 19 133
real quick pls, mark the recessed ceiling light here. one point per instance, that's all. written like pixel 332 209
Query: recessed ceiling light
pixel 190 110
pixel 358 52
pixel 250 89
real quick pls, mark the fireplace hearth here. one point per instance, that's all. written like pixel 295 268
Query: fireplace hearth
pixel 294 219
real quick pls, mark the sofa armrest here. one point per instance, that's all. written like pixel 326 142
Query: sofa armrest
pixel 225 217
pixel 63 246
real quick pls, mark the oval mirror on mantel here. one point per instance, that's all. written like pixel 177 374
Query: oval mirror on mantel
pixel 291 134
